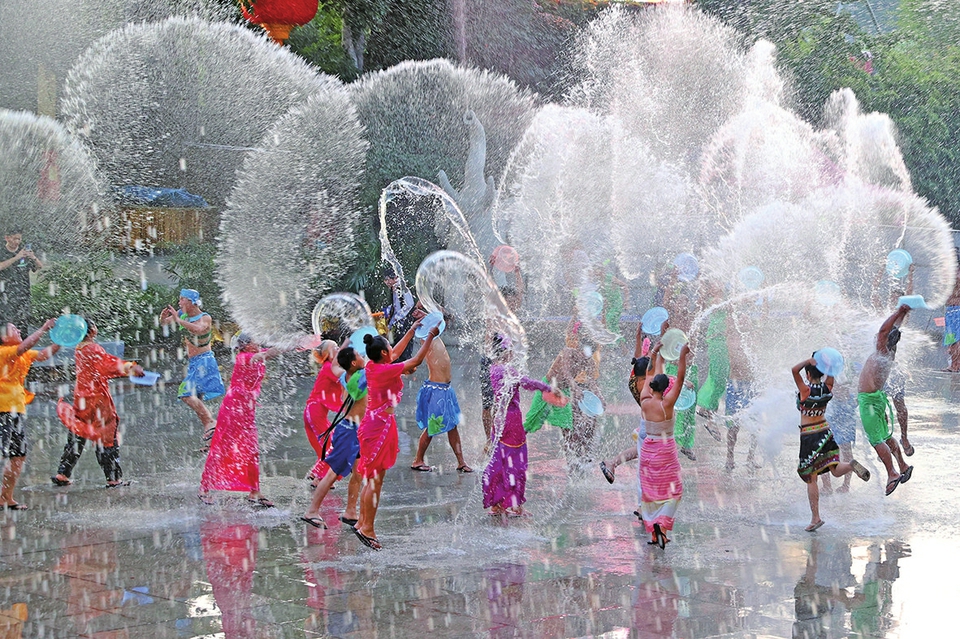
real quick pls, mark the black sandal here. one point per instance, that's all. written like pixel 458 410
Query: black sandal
pixel 369 542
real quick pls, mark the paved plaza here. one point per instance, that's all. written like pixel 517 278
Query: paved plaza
pixel 150 561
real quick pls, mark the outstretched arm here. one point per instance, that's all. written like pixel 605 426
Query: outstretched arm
pixel 674 393
pixel 401 345
pixel 32 340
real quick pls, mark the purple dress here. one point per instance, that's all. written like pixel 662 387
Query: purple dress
pixel 505 477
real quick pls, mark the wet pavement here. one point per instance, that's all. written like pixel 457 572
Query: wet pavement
pixel 150 561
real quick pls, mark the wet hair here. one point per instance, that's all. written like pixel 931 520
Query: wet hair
pixel 659 383
pixel 508 291
pixel 90 324
pixel 640 365
pixel 346 356
pixel 812 372
pixel 500 344
pixel 893 337
pixel 376 347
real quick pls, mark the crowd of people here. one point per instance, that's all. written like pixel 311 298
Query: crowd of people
pixel 350 422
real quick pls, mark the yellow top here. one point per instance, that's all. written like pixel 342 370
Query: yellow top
pixel 13 371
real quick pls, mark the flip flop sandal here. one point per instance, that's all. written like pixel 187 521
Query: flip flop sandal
pixel 17 507
pixel 906 475
pixel 205 499
pixel 60 482
pixel 892 486
pixel 118 484
pixel 316 522
pixel 422 468
pixel 369 542
pixel 607 473
pixel 859 470
pixel 813 527
pixel 908 449
pixel 349 522
pixel 464 469
pixel 262 502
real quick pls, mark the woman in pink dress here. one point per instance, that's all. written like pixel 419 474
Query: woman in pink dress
pixel 233 462
pixel 379 440
pixel 326 397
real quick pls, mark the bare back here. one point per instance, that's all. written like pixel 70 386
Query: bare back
pixel 438 362
pixel 875 371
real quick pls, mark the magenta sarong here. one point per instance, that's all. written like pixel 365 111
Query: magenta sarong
pixel 661 487
pixel 505 477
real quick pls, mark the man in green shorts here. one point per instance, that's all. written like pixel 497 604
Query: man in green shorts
pixel 875 412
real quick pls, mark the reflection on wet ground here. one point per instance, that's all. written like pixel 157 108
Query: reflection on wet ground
pixel 150 561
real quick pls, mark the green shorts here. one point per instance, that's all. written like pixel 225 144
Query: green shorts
pixel 876 416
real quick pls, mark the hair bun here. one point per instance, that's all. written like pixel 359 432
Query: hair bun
pixel 368 339
pixel 633 361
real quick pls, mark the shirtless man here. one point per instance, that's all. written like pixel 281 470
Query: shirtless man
pixel 951 330
pixel 873 400
pixel 437 408
pixel 203 379
pixel 344 452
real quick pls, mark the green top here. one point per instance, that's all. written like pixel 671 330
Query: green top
pixel 198 340
pixel 357 385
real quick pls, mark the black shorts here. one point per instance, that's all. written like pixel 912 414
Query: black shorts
pixel 486 384
pixel 13 441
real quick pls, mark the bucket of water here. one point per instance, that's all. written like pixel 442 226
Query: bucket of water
pixel 505 258
pixel 829 361
pixel 898 263
pixel 149 378
pixel 428 322
pixel 751 277
pixel 591 303
pixel 687 267
pixel 827 292
pixel 653 319
pixel 671 343
pixel 356 339
pixel 913 301
pixel 686 399
pixel 69 330
pixel 591 405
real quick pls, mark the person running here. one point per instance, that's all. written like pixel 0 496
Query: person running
pixel 505 477
pixel 93 415
pixel 233 462
pixel 873 402
pixel 343 453
pixel 16 357
pixel 379 441
pixel 324 398
pixel 437 408
pixel 661 486
pixel 203 381
pixel 842 416
pixel 819 452
pixel 638 375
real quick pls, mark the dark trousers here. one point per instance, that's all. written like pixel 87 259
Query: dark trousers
pixel 108 458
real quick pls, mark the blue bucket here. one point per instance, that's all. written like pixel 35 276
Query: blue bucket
pixel 428 322
pixel 69 330
pixel 591 405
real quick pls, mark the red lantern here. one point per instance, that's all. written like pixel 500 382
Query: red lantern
pixel 278 17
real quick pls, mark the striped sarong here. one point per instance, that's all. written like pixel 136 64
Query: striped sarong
pixel 660 485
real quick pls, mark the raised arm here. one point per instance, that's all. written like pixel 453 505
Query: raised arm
pixel 411 364
pixel 888 325
pixel 199 327
pixel 674 393
pixel 401 345
pixel 266 354
pixel 801 385
pixel 47 353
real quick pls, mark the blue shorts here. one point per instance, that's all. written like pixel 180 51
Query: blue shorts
pixel 842 417
pixel 437 408
pixel 951 325
pixel 203 378
pixel 345 448
pixel 739 392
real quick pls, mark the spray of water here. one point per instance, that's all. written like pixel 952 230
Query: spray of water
pixel 49 184
pixel 287 233
pixel 177 103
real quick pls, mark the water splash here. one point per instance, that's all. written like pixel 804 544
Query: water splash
pixel 339 312
pixel 49 184
pixel 188 121
pixel 287 235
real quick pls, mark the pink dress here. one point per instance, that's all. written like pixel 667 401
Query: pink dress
pixel 326 397
pixel 379 440
pixel 233 462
